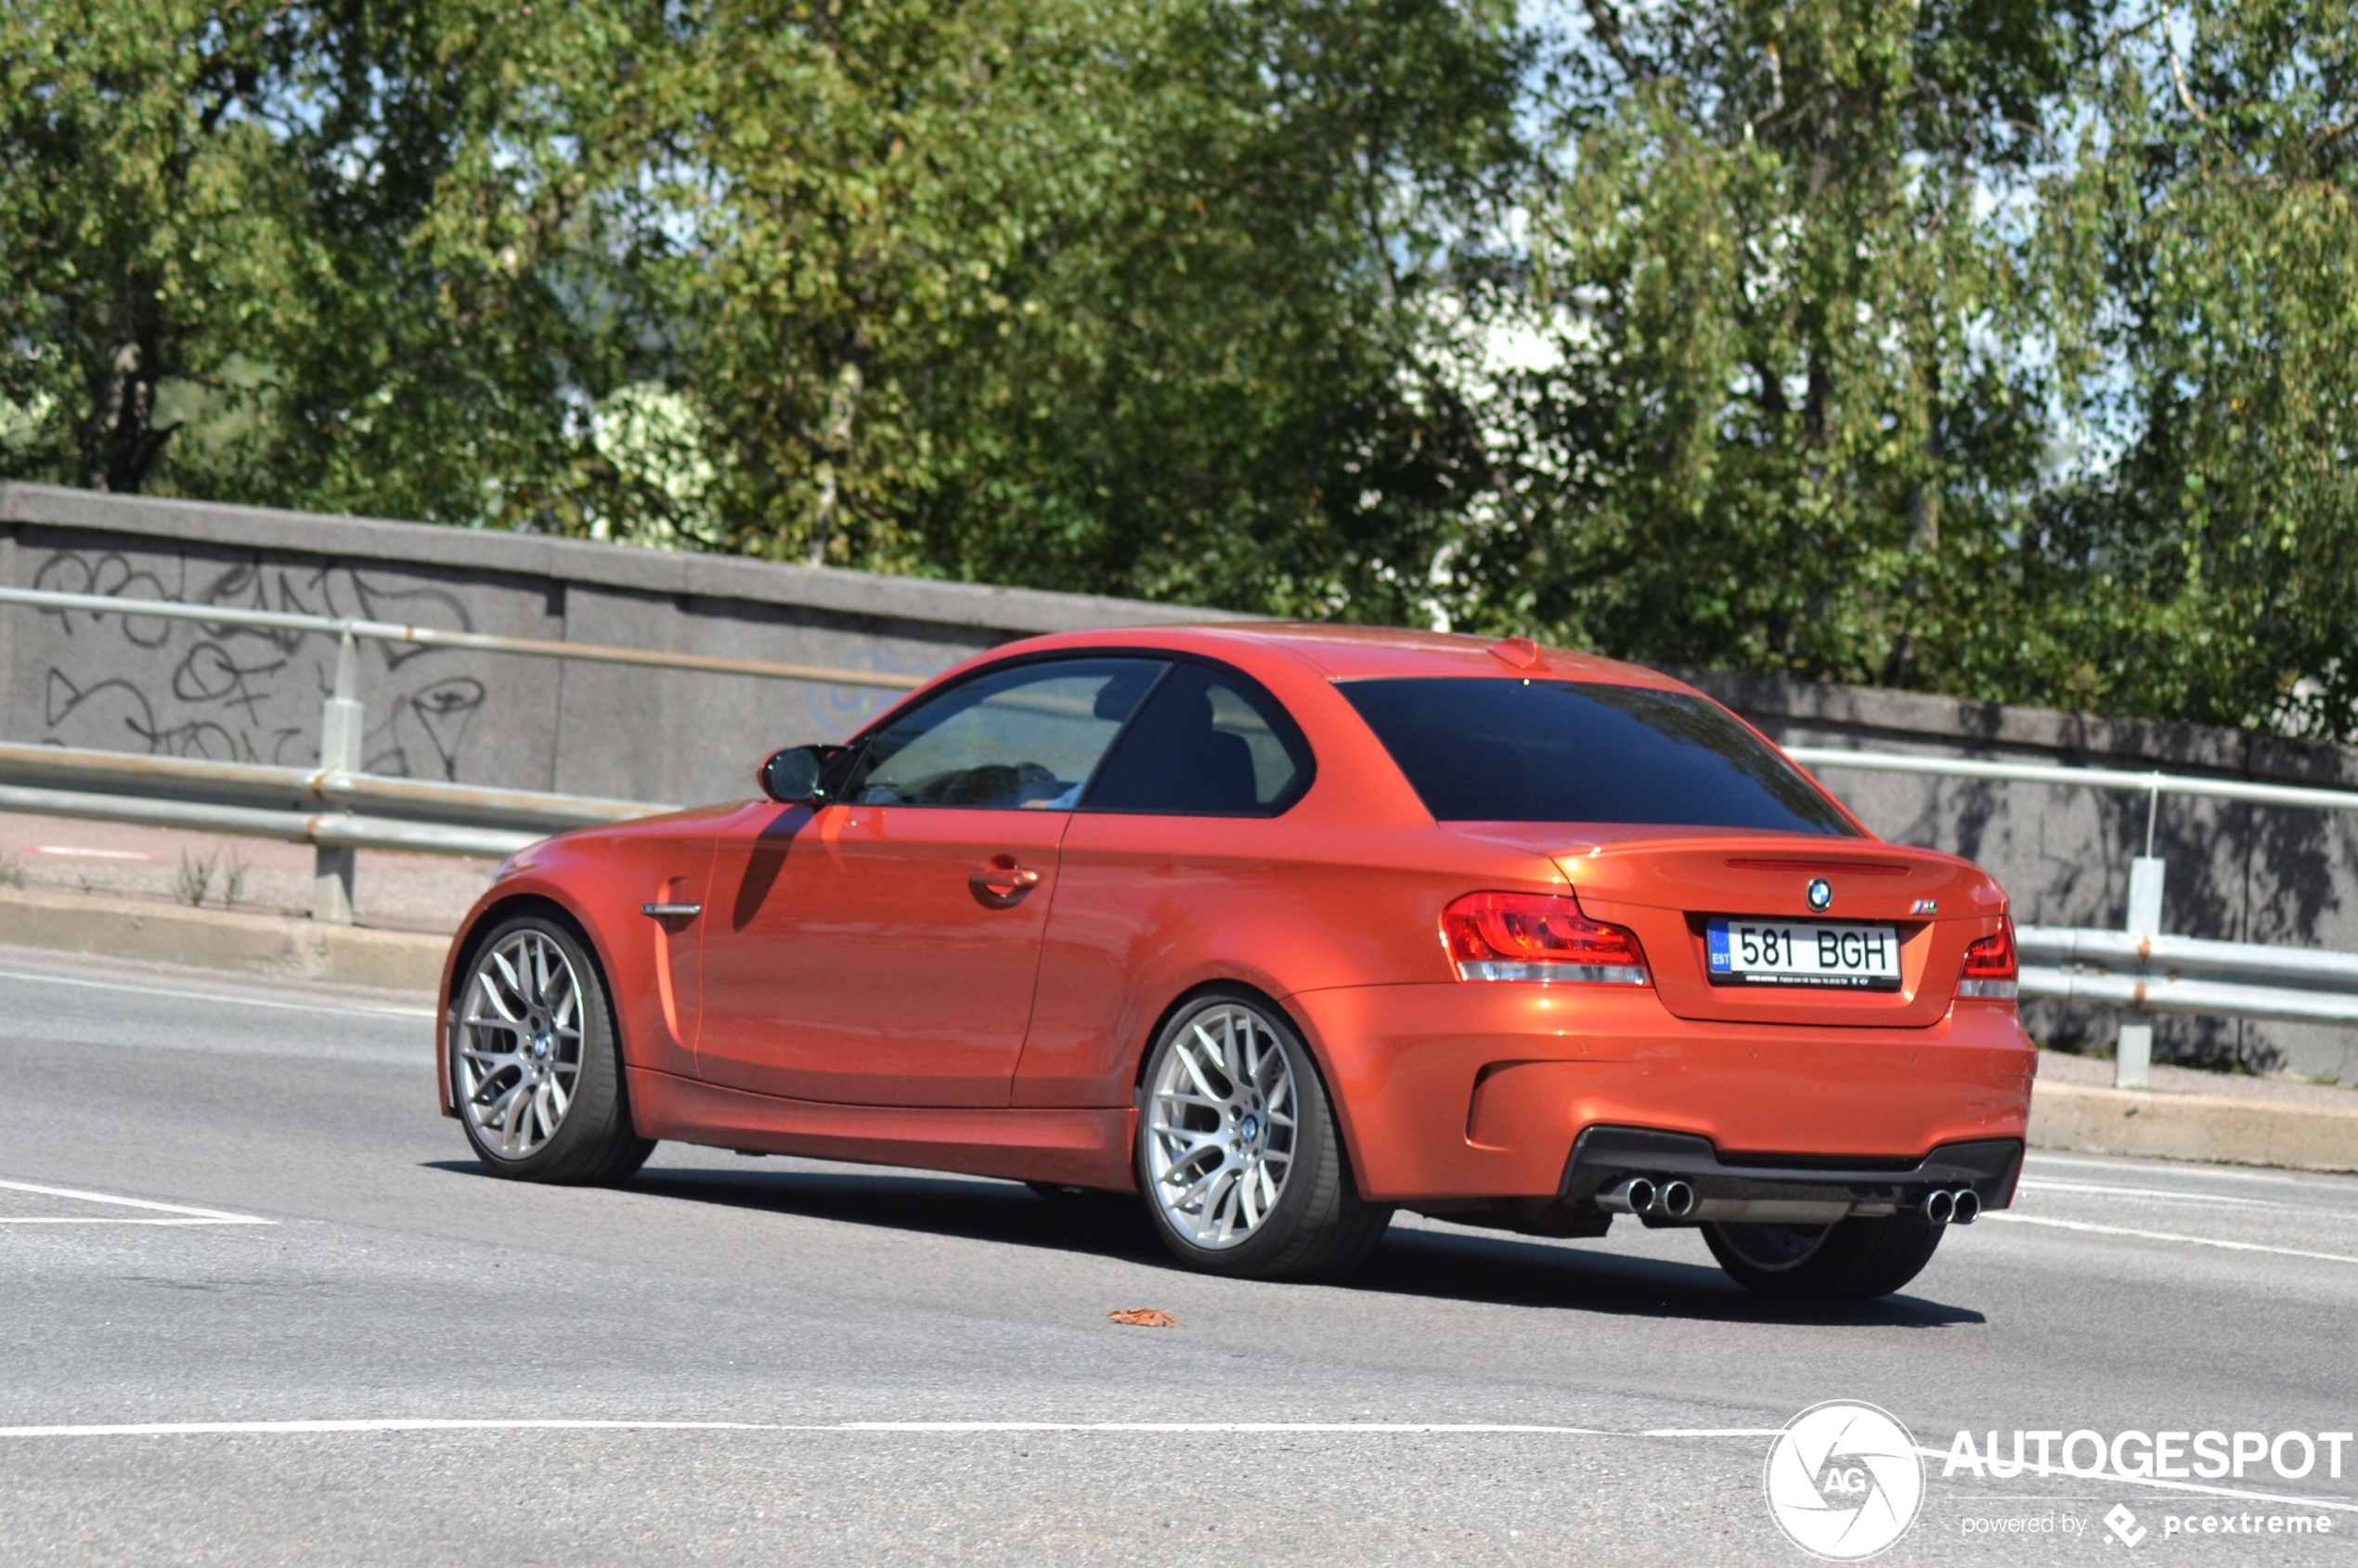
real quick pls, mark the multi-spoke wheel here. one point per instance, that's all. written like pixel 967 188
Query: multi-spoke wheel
pixel 532 1066
pixel 1238 1152
pixel 1854 1261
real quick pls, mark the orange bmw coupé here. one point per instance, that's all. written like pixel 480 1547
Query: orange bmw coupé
pixel 1283 928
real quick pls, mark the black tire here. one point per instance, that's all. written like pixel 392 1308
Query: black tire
pixel 1318 1227
pixel 1854 1261
pixel 593 1140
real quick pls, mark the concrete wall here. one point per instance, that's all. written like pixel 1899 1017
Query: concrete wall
pixel 2235 871
pixel 185 689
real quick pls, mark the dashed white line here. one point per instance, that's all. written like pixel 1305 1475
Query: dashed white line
pixel 2319 1181
pixel 180 1213
pixel 2173 1195
pixel 218 996
pixel 2010 1217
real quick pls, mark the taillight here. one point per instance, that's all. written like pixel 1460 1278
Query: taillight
pixel 1991 970
pixel 1538 937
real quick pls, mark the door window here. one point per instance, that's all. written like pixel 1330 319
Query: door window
pixel 1206 744
pixel 1030 738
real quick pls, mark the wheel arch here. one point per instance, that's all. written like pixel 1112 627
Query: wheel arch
pixel 470 941
pixel 1232 985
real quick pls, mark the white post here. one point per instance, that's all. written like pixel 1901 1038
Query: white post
pixel 340 724
pixel 2134 1058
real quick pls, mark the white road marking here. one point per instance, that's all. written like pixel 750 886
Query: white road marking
pixel 182 1214
pixel 2176 1194
pixel 2325 1181
pixel 218 996
pixel 964 1428
pixel 78 853
pixel 2011 1218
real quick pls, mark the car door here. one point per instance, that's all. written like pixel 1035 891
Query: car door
pixel 1176 860
pixel 882 949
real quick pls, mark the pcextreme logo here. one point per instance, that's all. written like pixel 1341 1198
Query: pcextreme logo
pixel 1845 1480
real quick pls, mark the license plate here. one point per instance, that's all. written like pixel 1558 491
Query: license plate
pixel 1794 953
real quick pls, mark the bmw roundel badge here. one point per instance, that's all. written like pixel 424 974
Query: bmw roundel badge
pixel 1821 893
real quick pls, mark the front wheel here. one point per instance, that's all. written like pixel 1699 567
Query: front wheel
pixel 535 1069
pixel 1852 1261
pixel 1238 1153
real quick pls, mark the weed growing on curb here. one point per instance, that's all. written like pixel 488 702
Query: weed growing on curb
pixel 194 879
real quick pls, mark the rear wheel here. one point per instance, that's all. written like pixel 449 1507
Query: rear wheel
pixel 535 1069
pixel 1238 1153
pixel 1853 1261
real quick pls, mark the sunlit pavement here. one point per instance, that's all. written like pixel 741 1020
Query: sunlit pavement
pixel 234 1217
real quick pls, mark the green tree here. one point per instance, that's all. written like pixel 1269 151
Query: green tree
pixel 1125 298
pixel 1790 418
pixel 2201 560
pixel 345 255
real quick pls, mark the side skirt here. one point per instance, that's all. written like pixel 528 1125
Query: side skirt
pixel 1075 1147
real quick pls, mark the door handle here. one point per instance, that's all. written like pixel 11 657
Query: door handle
pixel 671 911
pixel 1001 884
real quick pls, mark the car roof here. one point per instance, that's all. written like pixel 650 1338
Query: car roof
pixel 1356 653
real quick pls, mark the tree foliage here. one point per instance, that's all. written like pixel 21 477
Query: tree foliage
pixel 1994 346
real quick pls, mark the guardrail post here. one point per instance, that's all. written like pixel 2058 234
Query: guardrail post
pixel 341 725
pixel 2133 1056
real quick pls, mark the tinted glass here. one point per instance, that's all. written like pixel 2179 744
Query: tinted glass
pixel 1573 751
pixel 1028 737
pixel 1204 745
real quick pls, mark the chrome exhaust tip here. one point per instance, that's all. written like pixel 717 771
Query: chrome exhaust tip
pixel 1966 1207
pixel 1632 1196
pixel 1939 1208
pixel 1676 1200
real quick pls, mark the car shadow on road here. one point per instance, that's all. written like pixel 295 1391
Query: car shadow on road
pixel 1467 1265
pixel 1508 1271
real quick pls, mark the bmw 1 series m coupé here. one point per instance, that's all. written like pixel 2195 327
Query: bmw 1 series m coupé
pixel 1284 928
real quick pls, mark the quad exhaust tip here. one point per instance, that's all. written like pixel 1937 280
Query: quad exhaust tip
pixel 1673 1200
pixel 1960 1206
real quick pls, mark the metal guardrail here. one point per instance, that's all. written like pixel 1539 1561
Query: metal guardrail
pixel 339 809
pixel 285 803
pixel 2164 974
pixel 2139 970
pixel 282 803
pixel 2150 786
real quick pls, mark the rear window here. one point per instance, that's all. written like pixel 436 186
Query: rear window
pixel 1577 751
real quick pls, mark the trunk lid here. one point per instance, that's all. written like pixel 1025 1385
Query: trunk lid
pixel 1667 890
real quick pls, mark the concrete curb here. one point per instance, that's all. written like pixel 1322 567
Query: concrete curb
pixel 2083 1118
pixel 267 944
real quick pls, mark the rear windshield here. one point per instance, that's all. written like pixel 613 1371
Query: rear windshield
pixel 1576 751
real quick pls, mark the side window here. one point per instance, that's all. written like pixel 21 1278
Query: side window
pixel 1205 744
pixel 1029 737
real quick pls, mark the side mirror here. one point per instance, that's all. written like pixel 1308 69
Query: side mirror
pixel 792 777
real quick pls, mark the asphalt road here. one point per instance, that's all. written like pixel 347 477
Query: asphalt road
pixel 876 1367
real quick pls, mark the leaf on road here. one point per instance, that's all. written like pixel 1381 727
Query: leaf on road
pixel 1145 1317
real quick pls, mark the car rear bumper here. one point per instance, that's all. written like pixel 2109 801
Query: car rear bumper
pixel 1480 1091
pixel 1606 1160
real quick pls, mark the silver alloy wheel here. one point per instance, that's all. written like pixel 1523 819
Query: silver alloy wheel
pixel 519 1043
pixel 1220 1126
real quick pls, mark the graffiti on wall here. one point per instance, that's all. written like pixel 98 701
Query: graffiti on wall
pixel 128 682
pixel 837 711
